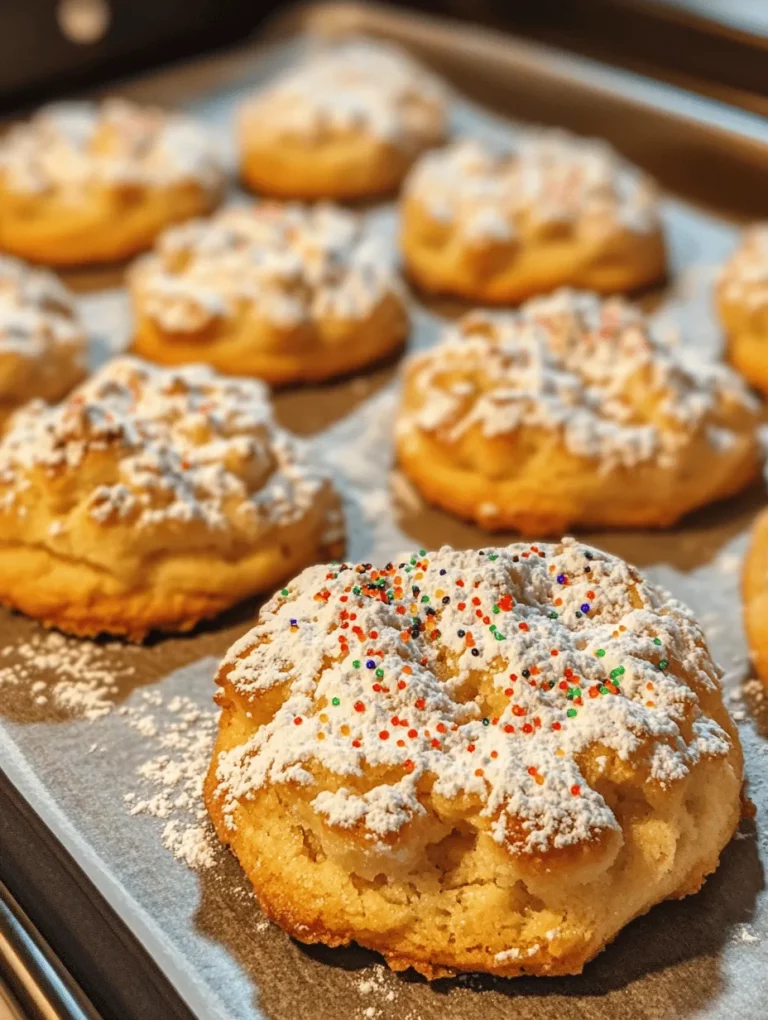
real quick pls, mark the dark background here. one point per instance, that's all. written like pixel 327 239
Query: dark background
pixel 51 47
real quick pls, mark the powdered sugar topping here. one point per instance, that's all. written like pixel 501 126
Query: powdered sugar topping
pixel 592 371
pixel 357 86
pixel 70 147
pixel 491 675
pixel 551 180
pixel 37 313
pixel 155 447
pixel 744 277
pixel 287 264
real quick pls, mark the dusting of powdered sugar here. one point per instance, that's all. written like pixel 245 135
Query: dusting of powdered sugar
pixel 743 279
pixel 43 343
pixel 547 178
pixel 70 147
pixel 289 264
pixel 354 87
pixel 381 669
pixel 182 446
pixel 591 370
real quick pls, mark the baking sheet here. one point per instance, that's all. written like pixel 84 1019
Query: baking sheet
pixel 108 742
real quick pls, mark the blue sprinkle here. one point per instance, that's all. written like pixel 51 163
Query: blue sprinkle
pixel 561 578
pixel 585 607
pixel 442 573
pixel 294 622
pixel 370 664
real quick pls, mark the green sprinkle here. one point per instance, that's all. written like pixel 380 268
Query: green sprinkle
pixel 284 591
pixel 600 653
pixel 425 598
pixel 413 561
pixel 498 636
pixel 493 556
pixel 657 641
pixel 495 609
pixel 335 701
pixel 422 552
pixel 492 628
pixel 571 713
pixel 663 663
pixel 486 722
pixel 379 673
pixel 604 690
pixel 356 663
pixel 356 590
pixel 408 570
pixel 553 615
pixel 622 671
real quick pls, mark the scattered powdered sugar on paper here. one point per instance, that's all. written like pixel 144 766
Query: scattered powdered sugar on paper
pixel 170 783
pixel 379 989
pixel 84 678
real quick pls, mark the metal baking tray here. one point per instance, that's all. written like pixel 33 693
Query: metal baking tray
pixel 147 937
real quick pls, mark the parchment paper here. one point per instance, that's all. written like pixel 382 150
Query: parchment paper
pixel 704 957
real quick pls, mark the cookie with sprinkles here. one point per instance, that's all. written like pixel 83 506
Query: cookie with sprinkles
pixel 283 292
pixel 345 124
pixel 487 760
pixel 742 303
pixel 153 498
pixel 89 183
pixel 572 411
pixel 42 341
pixel 553 210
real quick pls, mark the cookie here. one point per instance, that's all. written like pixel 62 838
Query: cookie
pixel 755 592
pixel 153 498
pixel 742 303
pixel 346 124
pixel 283 292
pixel 483 761
pixel 88 183
pixel 556 211
pixel 572 411
pixel 42 341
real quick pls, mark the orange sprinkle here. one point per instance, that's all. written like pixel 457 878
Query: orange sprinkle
pixel 494 754
pixel 345 730
pixel 479 772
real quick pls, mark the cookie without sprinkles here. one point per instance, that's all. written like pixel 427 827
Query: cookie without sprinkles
pixel 534 717
pixel 152 498
pixel 42 341
pixel 346 123
pixel 282 292
pixel 742 302
pixel 94 182
pixel 555 210
pixel 572 410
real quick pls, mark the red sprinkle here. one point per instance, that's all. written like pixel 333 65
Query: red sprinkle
pixel 359 706
pixel 384 735
pixel 575 789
